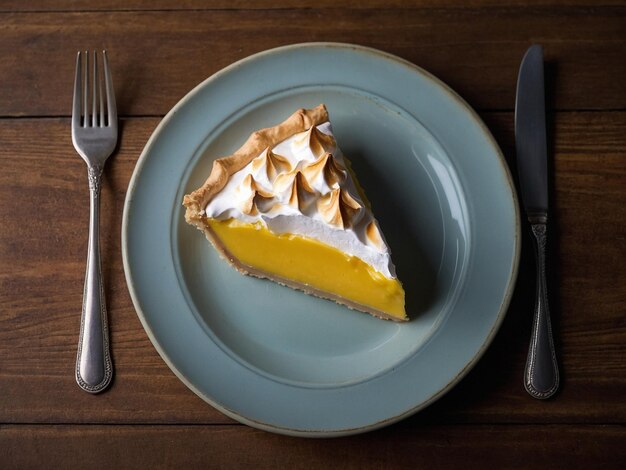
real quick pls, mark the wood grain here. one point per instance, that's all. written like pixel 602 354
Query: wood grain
pixel 158 56
pixel 44 209
pixel 105 447
pixel 133 5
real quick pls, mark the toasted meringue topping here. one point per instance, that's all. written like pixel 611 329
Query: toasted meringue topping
pixel 373 235
pixel 325 167
pixel 301 186
pixel 251 193
pixel 349 206
pixel 301 194
pixel 338 208
pixel 285 180
pixel 270 164
pixel 316 142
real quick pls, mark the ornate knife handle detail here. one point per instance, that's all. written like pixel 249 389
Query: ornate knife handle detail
pixel 541 378
pixel 94 369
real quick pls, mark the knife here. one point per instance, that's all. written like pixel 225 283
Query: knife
pixel 541 376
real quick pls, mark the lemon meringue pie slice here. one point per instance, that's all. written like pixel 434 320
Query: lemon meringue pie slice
pixel 287 207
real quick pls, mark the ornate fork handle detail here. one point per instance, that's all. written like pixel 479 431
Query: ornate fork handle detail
pixel 93 364
pixel 541 377
pixel 94 173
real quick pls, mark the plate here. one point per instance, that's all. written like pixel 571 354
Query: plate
pixel 282 361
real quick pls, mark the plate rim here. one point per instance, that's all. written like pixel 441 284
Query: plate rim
pixel 507 295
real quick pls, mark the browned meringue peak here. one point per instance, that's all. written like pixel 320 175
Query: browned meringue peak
pixel 373 236
pixel 317 141
pixel 299 188
pixel 285 180
pixel 302 194
pixel 250 187
pixel 327 165
pixel 273 163
pixel 338 208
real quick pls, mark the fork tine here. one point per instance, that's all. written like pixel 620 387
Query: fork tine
pixel 101 100
pixel 77 97
pixel 111 108
pixel 94 101
pixel 86 90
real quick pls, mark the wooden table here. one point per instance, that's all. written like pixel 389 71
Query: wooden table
pixel 159 50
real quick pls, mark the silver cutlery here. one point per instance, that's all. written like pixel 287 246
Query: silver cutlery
pixel 541 376
pixel 94 134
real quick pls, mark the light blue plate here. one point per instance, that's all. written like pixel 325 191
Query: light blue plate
pixel 282 361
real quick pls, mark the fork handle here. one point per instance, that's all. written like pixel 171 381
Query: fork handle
pixel 94 369
pixel 541 378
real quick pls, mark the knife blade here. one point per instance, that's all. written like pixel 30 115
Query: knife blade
pixel 541 377
pixel 530 134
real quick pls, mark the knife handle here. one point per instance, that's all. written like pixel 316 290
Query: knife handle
pixel 541 378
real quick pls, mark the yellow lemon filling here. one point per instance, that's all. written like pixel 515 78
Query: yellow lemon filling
pixel 311 262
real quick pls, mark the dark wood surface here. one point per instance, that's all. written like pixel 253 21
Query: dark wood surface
pixel 161 49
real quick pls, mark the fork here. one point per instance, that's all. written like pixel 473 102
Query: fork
pixel 94 136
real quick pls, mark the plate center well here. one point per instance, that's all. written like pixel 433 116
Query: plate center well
pixel 417 199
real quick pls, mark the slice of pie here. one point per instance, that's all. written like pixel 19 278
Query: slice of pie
pixel 287 207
